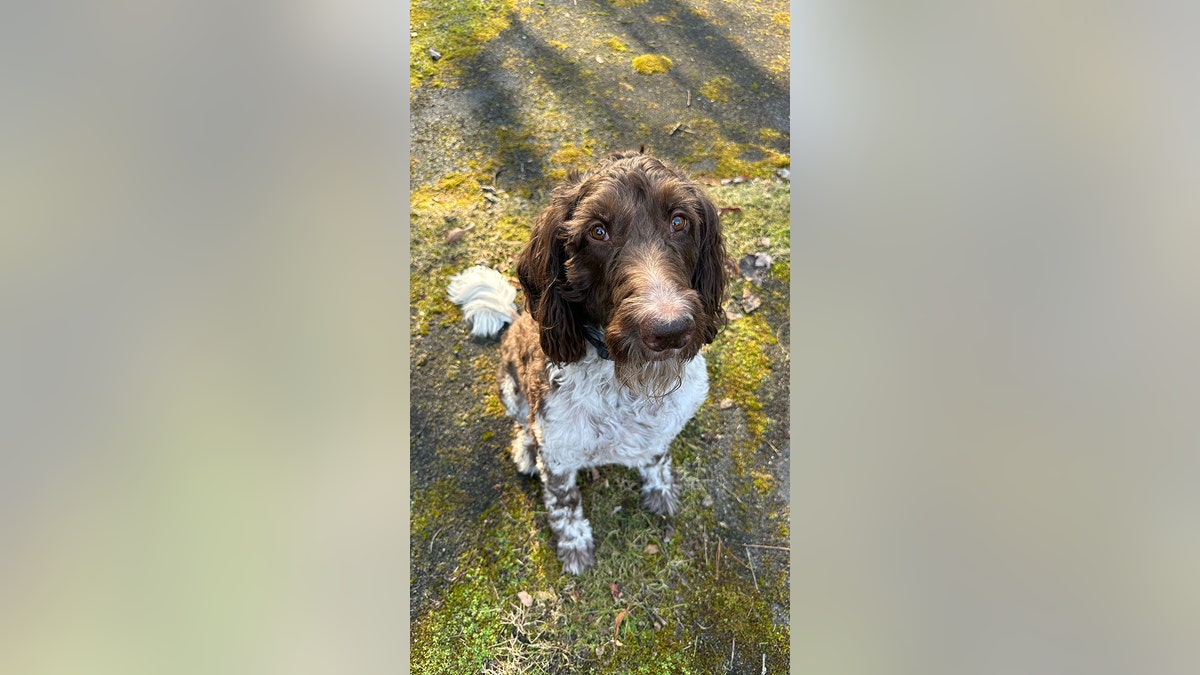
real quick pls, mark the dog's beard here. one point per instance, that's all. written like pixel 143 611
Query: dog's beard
pixel 653 379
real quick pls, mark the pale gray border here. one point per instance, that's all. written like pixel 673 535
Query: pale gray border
pixel 405 573
pixel 794 333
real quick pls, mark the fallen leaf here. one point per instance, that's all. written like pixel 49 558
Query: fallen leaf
pixel 729 209
pixel 526 599
pixel 651 549
pixel 750 301
pixel 617 626
pixel 456 234
pixel 616 590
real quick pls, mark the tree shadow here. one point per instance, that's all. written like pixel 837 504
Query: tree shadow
pixel 522 97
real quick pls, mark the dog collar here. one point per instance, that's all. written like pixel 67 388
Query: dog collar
pixel 596 337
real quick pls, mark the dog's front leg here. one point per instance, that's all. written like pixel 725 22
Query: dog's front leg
pixel 565 508
pixel 659 493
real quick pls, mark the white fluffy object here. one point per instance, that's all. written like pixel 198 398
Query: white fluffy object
pixel 486 299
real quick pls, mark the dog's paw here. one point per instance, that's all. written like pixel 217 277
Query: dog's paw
pixel 577 559
pixel 663 501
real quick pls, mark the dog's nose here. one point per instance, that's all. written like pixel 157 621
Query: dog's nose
pixel 663 334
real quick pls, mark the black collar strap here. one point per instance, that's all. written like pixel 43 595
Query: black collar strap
pixel 596 337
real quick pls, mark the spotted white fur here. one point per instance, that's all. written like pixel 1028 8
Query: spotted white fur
pixel 589 419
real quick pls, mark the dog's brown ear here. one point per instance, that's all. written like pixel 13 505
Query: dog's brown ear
pixel 708 279
pixel 541 268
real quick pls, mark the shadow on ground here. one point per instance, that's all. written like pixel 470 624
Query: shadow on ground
pixel 559 79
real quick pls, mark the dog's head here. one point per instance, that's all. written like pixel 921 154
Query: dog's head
pixel 631 248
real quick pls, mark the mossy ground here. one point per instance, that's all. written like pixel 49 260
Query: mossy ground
pixel 652 64
pixel 549 91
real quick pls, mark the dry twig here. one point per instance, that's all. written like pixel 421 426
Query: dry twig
pixel 752 575
pixel 776 548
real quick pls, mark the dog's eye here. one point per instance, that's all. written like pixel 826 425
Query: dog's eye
pixel 678 223
pixel 599 233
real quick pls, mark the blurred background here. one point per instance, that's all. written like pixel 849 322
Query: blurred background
pixel 202 436
pixel 994 308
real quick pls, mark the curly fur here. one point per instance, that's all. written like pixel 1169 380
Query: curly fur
pixel 634 249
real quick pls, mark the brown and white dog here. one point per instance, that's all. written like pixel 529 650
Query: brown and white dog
pixel 624 279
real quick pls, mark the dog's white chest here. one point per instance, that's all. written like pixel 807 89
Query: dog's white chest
pixel 589 419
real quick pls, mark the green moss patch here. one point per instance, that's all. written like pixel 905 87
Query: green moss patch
pixel 650 64
pixel 616 45
pixel 717 89
pixel 455 29
pixel 731 158
pixel 738 366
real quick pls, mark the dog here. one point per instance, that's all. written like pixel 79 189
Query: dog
pixel 624 280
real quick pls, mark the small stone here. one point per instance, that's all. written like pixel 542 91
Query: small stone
pixel 750 301
pixel 434 54
pixel 650 549
pixel 707 502
pixel 754 267
pixel 725 404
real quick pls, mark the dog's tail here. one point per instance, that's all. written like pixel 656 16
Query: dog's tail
pixel 486 299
